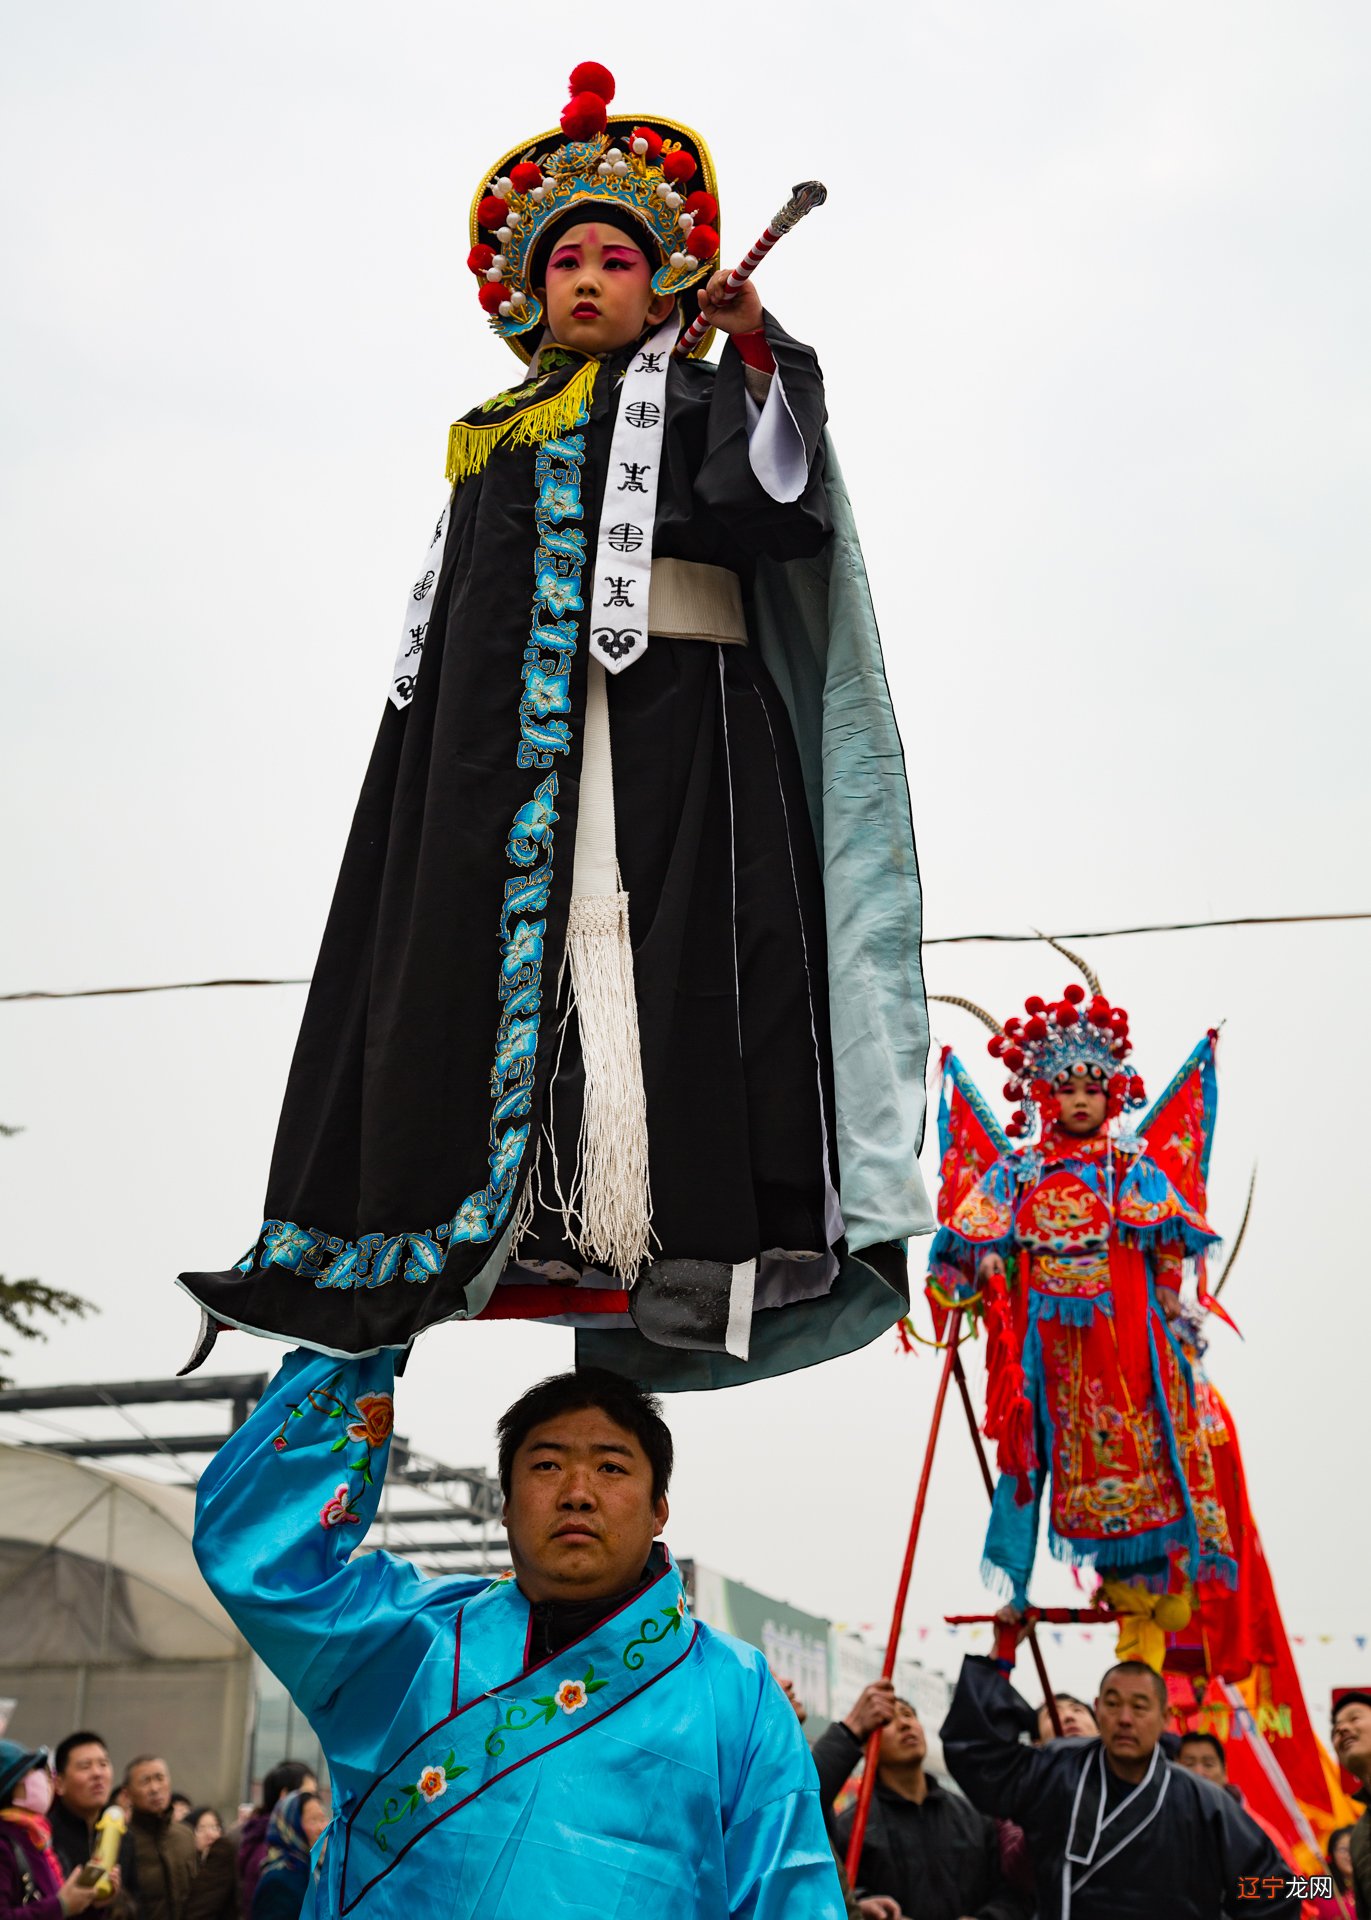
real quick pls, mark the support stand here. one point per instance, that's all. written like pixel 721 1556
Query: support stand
pixel 952 1370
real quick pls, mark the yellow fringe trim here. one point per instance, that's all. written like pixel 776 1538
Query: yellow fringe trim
pixel 470 446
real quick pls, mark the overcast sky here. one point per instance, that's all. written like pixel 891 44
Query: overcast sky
pixel 1092 296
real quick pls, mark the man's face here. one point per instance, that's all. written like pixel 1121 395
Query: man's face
pixel 1130 1716
pixel 598 294
pixel 580 1514
pixel 1197 1756
pixel 1084 1102
pixel 1352 1738
pixel 1078 1722
pixel 902 1739
pixel 85 1782
pixel 150 1787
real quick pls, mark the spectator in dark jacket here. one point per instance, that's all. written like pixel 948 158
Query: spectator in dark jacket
pixel 288 1776
pixel 925 1848
pixel 31 1881
pixel 1352 1745
pixel 1115 1830
pixel 298 1821
pixel 158 1856
pixel 84 1781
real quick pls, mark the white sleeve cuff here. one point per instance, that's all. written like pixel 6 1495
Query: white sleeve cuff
pixel 776 447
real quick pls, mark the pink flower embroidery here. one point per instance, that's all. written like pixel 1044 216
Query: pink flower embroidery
pixel 433 1783
pixel 377 1412
pixel 571 1696
pixel 338 1512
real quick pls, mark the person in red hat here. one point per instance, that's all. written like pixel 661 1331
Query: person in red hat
pixel 570 1050
pixel 1074 1244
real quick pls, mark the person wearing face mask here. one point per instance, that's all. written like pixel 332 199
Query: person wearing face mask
pixel 31 1878
pixel 1074 1246
pixel 570 1051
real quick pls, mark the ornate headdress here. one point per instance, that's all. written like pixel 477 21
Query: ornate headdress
pixel 1060 1038
pixel 655 172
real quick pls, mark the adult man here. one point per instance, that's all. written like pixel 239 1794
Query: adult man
pixel 1205 1755
pixel 924 1848
pixel 564 1740
pixel 1078 1722
pixel 1114 1829
pixel 84 1780
pixel 158 1855
pixel 1352 1745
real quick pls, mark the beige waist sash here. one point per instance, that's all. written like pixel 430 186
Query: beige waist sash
pixel 688 600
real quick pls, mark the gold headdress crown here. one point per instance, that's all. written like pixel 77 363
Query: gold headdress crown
pixel 644 168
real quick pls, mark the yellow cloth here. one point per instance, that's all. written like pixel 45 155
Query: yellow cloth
pixel 1145 1620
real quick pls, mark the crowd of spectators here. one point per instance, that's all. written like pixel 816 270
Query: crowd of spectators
pixel 163 1857
pixel 998 1849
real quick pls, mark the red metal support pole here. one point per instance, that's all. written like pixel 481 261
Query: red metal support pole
pixel 873 1745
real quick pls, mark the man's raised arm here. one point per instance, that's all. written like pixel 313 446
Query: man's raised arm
pixel 281 1508
pixel 981 1739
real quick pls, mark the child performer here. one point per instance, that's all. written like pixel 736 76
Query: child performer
pixel 618 1019
pixel 1078 1242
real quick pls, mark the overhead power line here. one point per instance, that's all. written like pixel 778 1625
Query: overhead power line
pixel 933 940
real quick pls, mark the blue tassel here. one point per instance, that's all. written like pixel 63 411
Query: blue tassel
pixel 949 1245
pixel 1140 1555
pixel 1067 1309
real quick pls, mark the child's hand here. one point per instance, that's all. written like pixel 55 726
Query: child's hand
pixel 736 312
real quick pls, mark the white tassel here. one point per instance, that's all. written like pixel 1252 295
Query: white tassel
pixel 608 1216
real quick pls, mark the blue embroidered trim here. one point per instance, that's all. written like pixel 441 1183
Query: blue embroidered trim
pixel 373 1259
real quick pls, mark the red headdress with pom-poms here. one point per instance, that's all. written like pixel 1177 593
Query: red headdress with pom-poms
pixel 1053 1041
pixel 656 171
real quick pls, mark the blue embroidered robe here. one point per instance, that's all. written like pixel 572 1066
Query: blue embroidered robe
pixel 650 1769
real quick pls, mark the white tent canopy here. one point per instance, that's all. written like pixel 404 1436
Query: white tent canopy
pixel 71 1534
pixel 106 1622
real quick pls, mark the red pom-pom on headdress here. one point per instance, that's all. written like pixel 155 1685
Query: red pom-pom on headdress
pixel 591 77
pixel 493 212
pixel 650 139
pixel 481 258
pixel 491 296
pixel 702 243
pixel 527 174
pixel 702 206
pixel 678 167
pixel 584 116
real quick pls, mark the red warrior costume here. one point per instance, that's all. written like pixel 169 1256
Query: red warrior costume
pixel 1088 1385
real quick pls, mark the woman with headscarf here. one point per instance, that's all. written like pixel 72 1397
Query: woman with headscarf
pixel 30 1878
pixel 296 1824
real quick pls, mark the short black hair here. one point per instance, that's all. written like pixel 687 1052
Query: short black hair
pixel 626 1404
pixel 1206 1740
pixel 1068 1700
pixel 66 1748
pixel 1356 1698
pixel 1138 1666
pixel 287 1776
